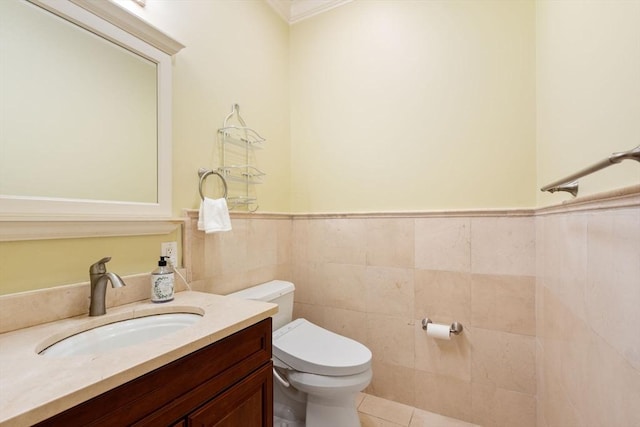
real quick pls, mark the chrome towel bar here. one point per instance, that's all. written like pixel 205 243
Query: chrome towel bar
pixel 570 183
pixel 204 173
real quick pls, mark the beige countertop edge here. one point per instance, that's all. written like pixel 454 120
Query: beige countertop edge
pixel 35 387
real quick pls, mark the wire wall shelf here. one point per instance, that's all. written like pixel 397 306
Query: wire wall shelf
pixel 237 145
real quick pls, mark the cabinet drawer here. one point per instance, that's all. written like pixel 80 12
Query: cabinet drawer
pixel 248 404
pixel 172 391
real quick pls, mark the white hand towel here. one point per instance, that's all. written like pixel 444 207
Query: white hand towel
pixel 214 216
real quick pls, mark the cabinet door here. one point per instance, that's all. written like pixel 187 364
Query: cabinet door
pixel 246 404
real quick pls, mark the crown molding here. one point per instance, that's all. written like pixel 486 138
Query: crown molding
pixel 294 11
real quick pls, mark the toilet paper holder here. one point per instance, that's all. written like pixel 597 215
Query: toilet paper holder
pixel 456 328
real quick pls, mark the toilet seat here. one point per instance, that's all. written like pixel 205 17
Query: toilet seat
pixel 324 384
pixel 308 348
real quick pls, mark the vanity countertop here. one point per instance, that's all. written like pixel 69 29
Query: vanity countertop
pixel 34 387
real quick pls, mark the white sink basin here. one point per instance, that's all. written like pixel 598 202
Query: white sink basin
pixel 121 334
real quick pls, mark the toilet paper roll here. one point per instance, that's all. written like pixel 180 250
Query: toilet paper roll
pixel 441 332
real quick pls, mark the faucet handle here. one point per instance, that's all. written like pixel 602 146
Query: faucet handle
pixel 99 267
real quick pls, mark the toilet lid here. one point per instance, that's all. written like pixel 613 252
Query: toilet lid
pixel 309 348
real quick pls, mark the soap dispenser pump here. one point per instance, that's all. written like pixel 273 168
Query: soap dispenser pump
pixel 162 279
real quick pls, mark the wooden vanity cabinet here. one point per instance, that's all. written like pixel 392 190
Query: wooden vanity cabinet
pixel 226 384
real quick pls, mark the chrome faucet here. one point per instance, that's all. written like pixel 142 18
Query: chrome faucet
pixel 99 277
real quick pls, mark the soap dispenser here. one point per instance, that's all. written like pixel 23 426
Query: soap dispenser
pixel 162 282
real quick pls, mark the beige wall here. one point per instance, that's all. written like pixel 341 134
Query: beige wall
pixel 588 106
pixel 588 91
pixel 396 106
pixel 405 105
pixel 374 279
pixel 257 250
pixel 587 275
pixel 236 52
pixel 541 297
pixel 36 264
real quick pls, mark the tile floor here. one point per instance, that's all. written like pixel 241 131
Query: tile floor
pixel 377 412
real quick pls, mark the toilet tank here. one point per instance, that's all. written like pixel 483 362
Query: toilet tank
pixel 276 291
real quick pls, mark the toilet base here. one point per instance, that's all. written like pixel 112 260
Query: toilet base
pixel 324 411
pixel 283 422
pixel 330 401
pixel 289 406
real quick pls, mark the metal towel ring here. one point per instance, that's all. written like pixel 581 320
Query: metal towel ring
pixel 204 173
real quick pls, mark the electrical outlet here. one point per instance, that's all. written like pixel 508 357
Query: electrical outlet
pixel 170 249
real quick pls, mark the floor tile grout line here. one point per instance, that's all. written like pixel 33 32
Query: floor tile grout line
pixel 413 411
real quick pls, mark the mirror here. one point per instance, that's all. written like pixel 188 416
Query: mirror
pixel 95 110
pixel 84 112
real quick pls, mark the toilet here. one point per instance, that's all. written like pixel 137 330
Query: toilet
pixel 317 373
